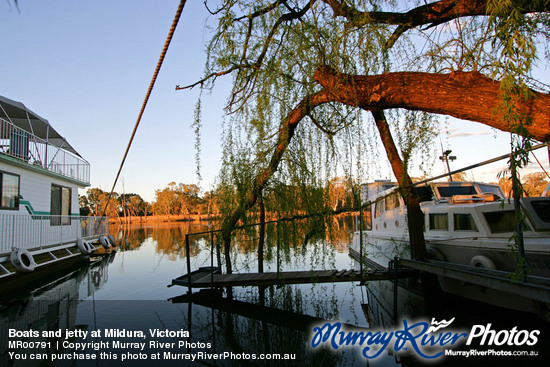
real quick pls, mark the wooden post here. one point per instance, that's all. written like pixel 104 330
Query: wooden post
pixel 188 251
pixel 261 236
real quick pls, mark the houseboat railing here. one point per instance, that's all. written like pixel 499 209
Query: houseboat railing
pixel 42 231
pixel 27 147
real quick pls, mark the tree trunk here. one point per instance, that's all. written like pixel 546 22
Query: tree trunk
pixel 414 213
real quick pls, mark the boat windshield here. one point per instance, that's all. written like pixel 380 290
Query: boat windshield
pixel 450 191
pixel 424 193
pixel 492 189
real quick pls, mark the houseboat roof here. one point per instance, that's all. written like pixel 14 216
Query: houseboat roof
pixel 19 115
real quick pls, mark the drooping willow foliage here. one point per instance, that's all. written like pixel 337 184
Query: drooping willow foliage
pixel 274 52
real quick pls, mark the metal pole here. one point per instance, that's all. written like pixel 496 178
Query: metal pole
pixel 211 260
pixel 361 239
pixel 395 263
pixel 519 223
pixel 13 232
pixel 188 250
pixel 278 246
pixel 496 159
pixel 219 256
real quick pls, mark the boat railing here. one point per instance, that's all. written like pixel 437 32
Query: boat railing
pixel 43 231
pixel 27 147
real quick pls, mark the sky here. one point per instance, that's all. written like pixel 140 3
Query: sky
pixel 85 66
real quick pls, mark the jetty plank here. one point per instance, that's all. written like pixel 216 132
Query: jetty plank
pixel 281 278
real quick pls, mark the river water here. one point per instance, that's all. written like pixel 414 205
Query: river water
pixel 126 290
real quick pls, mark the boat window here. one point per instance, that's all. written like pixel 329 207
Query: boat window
pixel 9 191
pixel 501 221
pixel 492 189
pixel 464 222
pixel 378 208
pixel 424 193
pixel 367 219
pixel 60 206
pixel 439 221
pixel 449 191
pixel 391 202
pixel 542 208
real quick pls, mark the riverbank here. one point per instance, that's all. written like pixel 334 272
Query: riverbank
pixel 164 218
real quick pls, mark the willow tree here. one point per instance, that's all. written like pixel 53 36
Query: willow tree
pixel 313 79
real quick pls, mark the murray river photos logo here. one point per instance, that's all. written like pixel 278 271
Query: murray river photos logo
pixel 427 340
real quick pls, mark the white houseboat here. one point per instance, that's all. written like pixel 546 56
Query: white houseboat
pixel 40 174
pixel 467 223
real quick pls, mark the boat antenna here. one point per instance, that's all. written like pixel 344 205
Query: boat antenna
pixel 149 90
pixel 445 158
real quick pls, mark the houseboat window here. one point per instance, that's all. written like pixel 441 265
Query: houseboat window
pixel 60 207
pixel 391 202
pixel 378 208
pixel 9 191
pixel 367 218
pixel 449 191
pixel 439 221
pixel 464 222
pixel 501 221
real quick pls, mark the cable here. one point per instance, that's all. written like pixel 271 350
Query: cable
pixel 540 165
pixel 151 85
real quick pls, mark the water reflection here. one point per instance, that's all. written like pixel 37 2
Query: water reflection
pixel 128 290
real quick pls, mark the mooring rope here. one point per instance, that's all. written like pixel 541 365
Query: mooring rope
pixel 149 90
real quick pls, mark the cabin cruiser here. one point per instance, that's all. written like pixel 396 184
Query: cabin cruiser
pixel 469 223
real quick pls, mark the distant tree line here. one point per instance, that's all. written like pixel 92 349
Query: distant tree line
pixel 174 199
pixel 186 199
pixel 120 205
pixel 533 184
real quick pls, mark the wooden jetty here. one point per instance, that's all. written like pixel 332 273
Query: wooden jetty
pixel 209 277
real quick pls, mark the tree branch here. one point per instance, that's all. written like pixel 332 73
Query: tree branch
pixel 214 76
pixel 465 95
pixel 292 15
pixel 262 11
pixel 429 15
pixel 288 127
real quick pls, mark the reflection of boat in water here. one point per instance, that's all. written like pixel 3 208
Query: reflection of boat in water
pixel 40 174
pixel 467 223
pixel 50 306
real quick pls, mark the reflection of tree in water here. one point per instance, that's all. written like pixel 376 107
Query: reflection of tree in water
pixel 232 332
pixel 129 237
pixel 169 238
pixel 304 244
pixel 286 243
